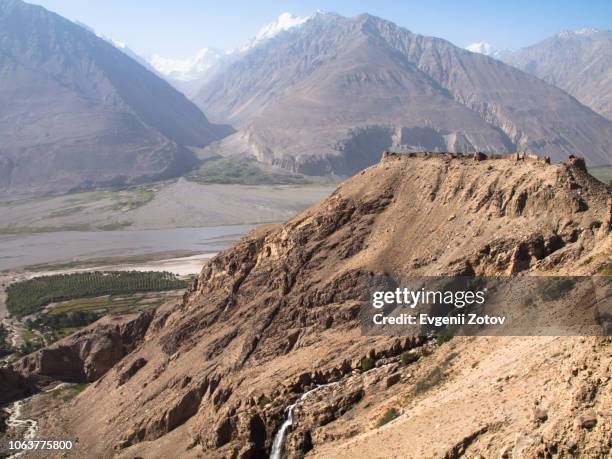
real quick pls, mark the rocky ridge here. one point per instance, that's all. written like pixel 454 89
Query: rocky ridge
pixel 88 354
pixel 277 314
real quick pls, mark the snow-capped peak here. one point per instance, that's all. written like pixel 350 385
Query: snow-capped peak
pixel 486 49
pixel 284 22
pixel 117 44
pixel 587 32
pixel 481 47
pixel 195 67
pixel 187 69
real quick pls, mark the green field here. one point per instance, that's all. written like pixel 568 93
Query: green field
pixel 66 211
pixel 107 261
pixel 52 229
pixel 99 210
pixel 603 173
pixel 115 304
pixel 240 171
pixel 131 198
pixel 67 317
pixel 32 295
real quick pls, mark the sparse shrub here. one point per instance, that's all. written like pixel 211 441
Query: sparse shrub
pixel 527 302
pixel 367 363
pixel 440 340
pixel 389 416
pixel 409 357
pixel 240 170
pixel 28 347
pixel 68 392
pixel 435 376
pixel 606 270
pixel 595 226
pixel 263 401
pixel 5 347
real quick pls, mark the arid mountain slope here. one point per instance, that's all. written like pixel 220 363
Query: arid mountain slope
pixel 328 95
pixel 486 397
pixel 579 62
pixel 76 112
pixel 278 313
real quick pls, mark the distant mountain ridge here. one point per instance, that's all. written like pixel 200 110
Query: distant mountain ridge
pixel 119 45
pixel 76 112
pixel 323 97
pixel 189 75
pixel 579 62
pixel 187 69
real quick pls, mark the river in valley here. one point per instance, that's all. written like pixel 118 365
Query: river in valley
pixel 30 426
pixel 20 250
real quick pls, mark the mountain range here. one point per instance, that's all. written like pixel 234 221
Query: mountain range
pixel 579 62
pixel 76 112
pixel 121 46
pixel 323 97
pixel 189 75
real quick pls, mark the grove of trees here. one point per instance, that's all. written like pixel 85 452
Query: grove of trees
pixel 32 295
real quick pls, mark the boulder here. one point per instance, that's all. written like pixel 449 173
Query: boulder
pixel 392 379
pixel 587 420
pixel 540 414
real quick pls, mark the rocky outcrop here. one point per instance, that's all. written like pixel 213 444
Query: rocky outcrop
pixel 14 386
pixel 88 354
pixel 83 357
pixel 4 416
pixel 131 370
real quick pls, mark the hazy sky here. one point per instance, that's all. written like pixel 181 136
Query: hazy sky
pixel 178 28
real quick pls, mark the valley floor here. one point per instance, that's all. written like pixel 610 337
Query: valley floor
pixel 173 204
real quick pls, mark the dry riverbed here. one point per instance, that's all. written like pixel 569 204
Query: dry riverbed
pixel 174 204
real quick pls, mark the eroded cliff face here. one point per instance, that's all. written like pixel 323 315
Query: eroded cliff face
pixel 14 386
pixel 88 354
pixel 277 314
